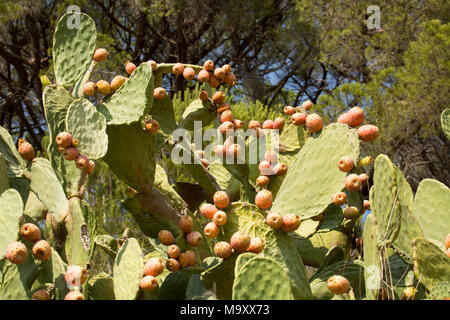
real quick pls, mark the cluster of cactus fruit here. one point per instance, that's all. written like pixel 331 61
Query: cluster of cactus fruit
pixel 260 226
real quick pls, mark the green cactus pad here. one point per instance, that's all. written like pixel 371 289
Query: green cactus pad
pixel 225 180
pixel 196 290
pixel 307 228
pixel 162 184
pixel 249 218
pixel 332 218
pixel 34 208
pixel 4 180
pixel 348 269
pixel 17 279
pixel 133 100
pixel 107 243
pixel 219 277
pixel 76 246
pixel 292 138
pixel 198 110
pixel 262 278
pixel 242 259
pixel 14 162
pixel 314 249
pixel 397 273
pixel 100 287
pixel 128 270
pixel 11 210
pixel 56 101
pixel 73 47
pixel 432 209
pixel 78 89
pixel 372 259
pixel 445 122
pixel 163 112
pixel 54 272
pixel 86 124
pixel 313 179
pixel 131 155
pixel 333 255
pixel 431 265
pixel 174 286
pixel 45 184
pixel 439 291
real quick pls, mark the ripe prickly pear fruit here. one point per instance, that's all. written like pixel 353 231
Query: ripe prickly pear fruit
pixel 64 139
pixel 154 267
pixel 227 68
pixel 226 127
pixel 153 64
pixel 208 210
pixel 211 230
pixel 26 150
pixel 265 168
pixel 368 132
pixel 253 124
pixel 70 153
pixel 289 110
pixel 16 252
pixel 257 245
pixel 264 199
pixel 338 284
pixel 148 283
pixel 291 222
pixel 346 164
pixel 41 295
pixel 364 178
pixel 74 295
pixel 166 237
pixel 313 122
pixel 220 151
pixel 205 162
pixel 271 156
pixel 223 249
pixel 351 213
pixel 222 108
pixel 234 151
pixel 151 126
pixel 183 260
pixel 339 199
pixel 221 199
pixel 186 224
pixel 344 119
pixel 194 238
pixel 355 116
pixel 280 169
pixel 240 241
pixel 117 82
pixel 42 250
pixel 30 232
pixel 307 105
pixel 352 182
pixel 100 54
pixel 91 167
pixel 75 143
pixel 159 93
pixel 203 76
pixel 104 87
pixel 173 251
pixel 238 124
pixel 268 124
pixel 189 73
pixel 274 220
pixel 227 116
pixel 130 67
pixel 191 257
pixel 409 293
pixel 89 88
pixel 298 118
pixel 447 241
pixel 82 162
pixel 220 218
pixel 213 81
pixel 178 68
pixel 208 65
pixel 203 96
pixel 75 276
pixel 278 124
pixel 230 79
pixel 262 181
pixel 218 97
pixel 219 73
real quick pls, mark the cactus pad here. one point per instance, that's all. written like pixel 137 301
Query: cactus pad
pixel 133 100
pixel 445 122
pixel 198 110
pixel 87 125
pixel 4 180
pixel 73 47
pixel 261 279
pixel 100 287
pixel 440 291
pixel 128 270
pixel 14 162
pixel 107 243
pixel 34 208
pixel 314 178
pixel 163 112
pixel 372 259
pixel 12 208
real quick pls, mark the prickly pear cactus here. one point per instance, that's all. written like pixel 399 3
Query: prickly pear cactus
pixel 12 209
pixel 445 122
